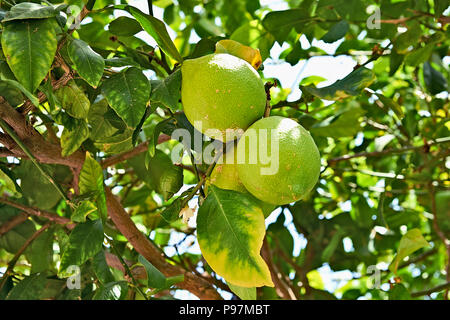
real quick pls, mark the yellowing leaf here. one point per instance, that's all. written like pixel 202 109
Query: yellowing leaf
pixel 252 56
pixel 315 280
pixel 230 231
pixel 243 293
pixel 411 241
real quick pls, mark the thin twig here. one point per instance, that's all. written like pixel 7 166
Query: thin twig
pixel 432 290
pixel 22 249
pixel 127 269
pixel 387 151
pixel 12 223
pixel 38 213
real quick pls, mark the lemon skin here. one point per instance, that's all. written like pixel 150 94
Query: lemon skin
pixel 220 91
pixel 225 176
pixel 298 163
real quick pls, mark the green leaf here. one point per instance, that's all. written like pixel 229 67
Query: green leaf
pixel 13 96
pixel 395 61
pixel 88 63
pixel 5 180
pixel 30 288
pixel 157 29
pixel 419 56
pixel 254 35
pixel 230 231
pixel 155 278
pixel 91 181
pixel 117 143
pixel 101 268
pixel 128 93
pixel 336 32
pixel 137 131
pixel 21 88
pixel 28 10
pixel 243 293
pixel 315 80
pixel 36 188
pixel 161 175
pixel 116 290
pixel 172 212
pixel 411 241
pixel 167 178
pixel 329 250
pixel 14 239
pixel 121 62
pixel 399 292
pixel 85 241
pixel 391 104
pixel 71 140
pixel 82 211
pixel 91 176
pixel 29 47
pixel 73 100
pixel 408 38
pixel 344 124
pixel 40 253
pixel 440 6
pixel 101 126
pixel 124 26
pixel 434 80
pixel 351 85
pixel 280 23
pixel 166 126
pixel 167 92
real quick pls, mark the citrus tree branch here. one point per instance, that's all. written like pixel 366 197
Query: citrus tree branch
pixel 38 213
pixel 198 286
pixel 12 223
pixel 143 147
pixel 387 151
pixel 25 149
pixel 22 249
pixel 430 291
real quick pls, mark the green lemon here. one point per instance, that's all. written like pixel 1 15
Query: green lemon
pixel 278 160
pixel 219 92
pixel 225 176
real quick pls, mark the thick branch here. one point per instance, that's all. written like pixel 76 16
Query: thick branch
pixel 44 151
pixel 141 244
pixel 280 287
pixel 12 223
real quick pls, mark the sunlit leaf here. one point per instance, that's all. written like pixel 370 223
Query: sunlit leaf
pixel 230 231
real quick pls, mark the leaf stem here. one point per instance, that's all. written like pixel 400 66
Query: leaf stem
pixel 16 257
pixel 127 268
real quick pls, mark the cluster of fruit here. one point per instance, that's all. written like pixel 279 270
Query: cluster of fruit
pixel 275 159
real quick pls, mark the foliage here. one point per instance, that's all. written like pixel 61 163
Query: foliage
pixel 86 114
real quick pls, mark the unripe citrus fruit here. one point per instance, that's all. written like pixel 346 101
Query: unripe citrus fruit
pixel 220 91
pixel 225 176
pixel 282 162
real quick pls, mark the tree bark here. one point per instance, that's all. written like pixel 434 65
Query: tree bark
pixel 46 152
